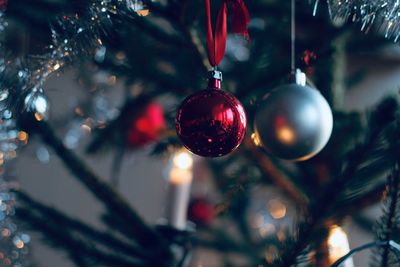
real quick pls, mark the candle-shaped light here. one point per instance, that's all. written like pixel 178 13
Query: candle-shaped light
pixel 338 244
pixel 179 182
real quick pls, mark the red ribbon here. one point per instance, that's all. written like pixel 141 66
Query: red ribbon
pixel 216 43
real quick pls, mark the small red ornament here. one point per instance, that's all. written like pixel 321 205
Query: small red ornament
pixel 211 122
pixel 201 211
pixel 147 126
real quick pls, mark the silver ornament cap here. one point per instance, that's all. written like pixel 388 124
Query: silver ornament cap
pixel 294 121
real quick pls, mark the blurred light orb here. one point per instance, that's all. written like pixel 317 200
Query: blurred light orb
pixel 37 102
pixel 183 160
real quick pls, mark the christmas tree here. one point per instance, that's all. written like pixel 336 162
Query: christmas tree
pixel 275 194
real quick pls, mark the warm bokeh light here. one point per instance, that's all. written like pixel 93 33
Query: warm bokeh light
pixel 267 230
pixel 6 232
pixel 256 139
pixel 12 154
pixel 19 244
pixel 86 128
pixel 22 136
pixel 271 253
pixel 338 246
pixel 56 66
pixel 38 116
pixel 276 208
pixel 143 12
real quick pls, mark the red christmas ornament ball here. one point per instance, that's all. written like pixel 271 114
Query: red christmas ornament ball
pixel 211 123
pixel 147 126
pixel 201 211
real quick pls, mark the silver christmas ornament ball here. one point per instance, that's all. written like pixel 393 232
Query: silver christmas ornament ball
pixel 294 122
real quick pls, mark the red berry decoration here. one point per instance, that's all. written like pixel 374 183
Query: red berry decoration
pixel 147 126
pixel 211 122
pixel 201 211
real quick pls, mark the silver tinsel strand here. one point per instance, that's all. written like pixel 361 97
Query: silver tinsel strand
pixel 14 243
pixel 382 14
pixel 74 36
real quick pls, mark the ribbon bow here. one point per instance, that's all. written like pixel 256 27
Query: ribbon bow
pixel 216 43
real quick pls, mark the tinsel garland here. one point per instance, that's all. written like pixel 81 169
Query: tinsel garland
pixel 14 243
pixel 73 36
pixel 384 14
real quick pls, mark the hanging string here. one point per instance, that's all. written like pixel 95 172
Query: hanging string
pixel 393 246
pixel 315 7
pixel 293 36
pixel 216 41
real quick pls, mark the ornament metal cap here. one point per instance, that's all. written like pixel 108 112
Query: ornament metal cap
pixel 214 80
pixel 216 74
pixel 298 77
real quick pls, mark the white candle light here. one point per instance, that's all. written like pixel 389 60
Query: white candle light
pixel 179 182
pixel 338 246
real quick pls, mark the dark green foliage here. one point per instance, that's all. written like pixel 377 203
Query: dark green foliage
pixel 388 227
pixel 165 53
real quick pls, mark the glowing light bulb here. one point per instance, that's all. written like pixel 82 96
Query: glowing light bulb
pixel 183 160
pixel 180 179
pixel 338 244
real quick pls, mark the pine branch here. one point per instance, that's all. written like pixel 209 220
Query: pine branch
pixel 72 225
pixel 220 245
pixel 197 47
pixel 117 165
pixel 62 238
pixel 222 241
pixel 390 224
pixel 171 15
pixel 40 11
pixel 276 175
pixel 393 246
pixel 156 32
pixel 382 129
pixel 134 225
pixel 321 207
pixel 354 205
pixel 365 223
